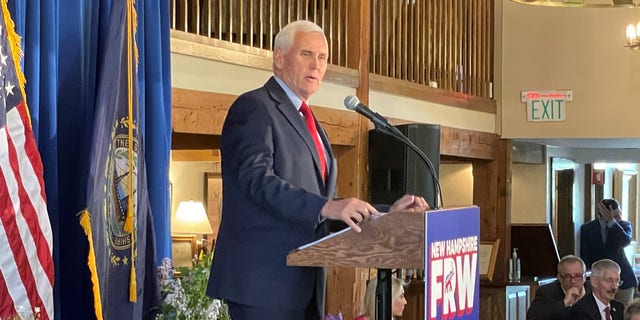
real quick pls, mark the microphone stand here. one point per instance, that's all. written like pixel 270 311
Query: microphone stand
pixel 383 287
pixel 383 295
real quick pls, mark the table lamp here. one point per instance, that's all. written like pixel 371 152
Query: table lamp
pixel 191 218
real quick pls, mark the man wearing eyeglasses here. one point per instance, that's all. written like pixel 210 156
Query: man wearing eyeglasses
pixel 600 305
pixel 553 300
pixel 605 238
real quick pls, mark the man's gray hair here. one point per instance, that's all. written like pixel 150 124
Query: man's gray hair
pixel 570 259
pixel 284 38
pixel 599 267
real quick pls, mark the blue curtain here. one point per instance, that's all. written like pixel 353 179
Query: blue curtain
pixel 62 46
pixel 154 76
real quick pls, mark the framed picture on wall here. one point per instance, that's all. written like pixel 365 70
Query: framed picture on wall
pixel 213 200
pixel 487 260
pixel 183 249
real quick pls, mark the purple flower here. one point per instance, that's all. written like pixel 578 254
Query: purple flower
pixel 331 316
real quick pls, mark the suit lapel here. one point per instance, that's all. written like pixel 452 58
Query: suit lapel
pixel 594 306
pixel 332 166
pixel 617 312
pixel 284 105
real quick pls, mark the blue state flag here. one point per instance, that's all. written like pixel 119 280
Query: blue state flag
pixel 118 220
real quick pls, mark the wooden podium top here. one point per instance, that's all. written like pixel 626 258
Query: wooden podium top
pixel 393 240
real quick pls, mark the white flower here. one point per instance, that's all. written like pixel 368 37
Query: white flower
pixel 184 299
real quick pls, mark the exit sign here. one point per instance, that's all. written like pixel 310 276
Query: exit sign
pixel 547 105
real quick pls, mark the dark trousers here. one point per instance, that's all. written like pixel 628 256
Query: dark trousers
pixel 245 312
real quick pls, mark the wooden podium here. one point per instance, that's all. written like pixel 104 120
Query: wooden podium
pixel 394 240
pixel 443 242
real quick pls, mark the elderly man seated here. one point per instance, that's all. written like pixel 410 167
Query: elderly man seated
pixel 605 280
pixel 552 301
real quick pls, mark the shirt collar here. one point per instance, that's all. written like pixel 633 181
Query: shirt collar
pixel 602 222
pixel 601 305
pixel 292 96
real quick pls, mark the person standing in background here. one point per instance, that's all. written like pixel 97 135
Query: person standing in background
pixel 606 237
pixel 279 179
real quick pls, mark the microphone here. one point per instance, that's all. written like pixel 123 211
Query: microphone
pixel 382 125
pixel 353 103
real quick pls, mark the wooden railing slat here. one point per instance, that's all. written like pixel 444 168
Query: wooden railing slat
pixel 446 41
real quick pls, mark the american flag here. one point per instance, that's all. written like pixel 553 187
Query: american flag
pixel 26 263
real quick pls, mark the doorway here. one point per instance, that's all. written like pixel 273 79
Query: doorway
pixel 563 225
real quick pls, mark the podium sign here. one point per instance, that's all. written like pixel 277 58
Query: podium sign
pixel 443 242
pixel 452 280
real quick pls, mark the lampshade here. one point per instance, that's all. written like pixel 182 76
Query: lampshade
pixel 191 218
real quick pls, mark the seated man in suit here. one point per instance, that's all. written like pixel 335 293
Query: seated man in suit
pixel 553 300
pixel 600 305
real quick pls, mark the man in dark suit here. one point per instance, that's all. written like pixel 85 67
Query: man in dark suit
pixel 553 300
pixel 279 178
pixel 600 305
pixel 606 237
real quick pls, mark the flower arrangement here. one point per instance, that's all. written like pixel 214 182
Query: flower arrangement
pixel 331 316
pixel 184 298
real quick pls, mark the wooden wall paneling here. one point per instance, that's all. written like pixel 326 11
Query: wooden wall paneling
pixel 414 309
pixel 492 192
pixel 502 218
pixel 484 193
pixel 198 111
pixel 192 141
pixel 343 127
pixel 209 155
pixel 202 113
pixel 563 226
pixel 342 282
pixel 346 286
pixel 492 304
pixel 588 193
pixel 467 143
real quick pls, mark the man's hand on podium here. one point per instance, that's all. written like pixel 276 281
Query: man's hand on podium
pixel 410 203
pixel 350 210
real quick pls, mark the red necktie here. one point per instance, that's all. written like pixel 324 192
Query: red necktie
pixel 311 125
pixel 607 314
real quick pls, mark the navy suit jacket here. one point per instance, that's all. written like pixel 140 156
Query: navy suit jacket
pixel 587 309
pixel 593 249
pixel 549 302
pixel 273 193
